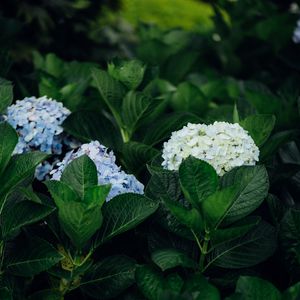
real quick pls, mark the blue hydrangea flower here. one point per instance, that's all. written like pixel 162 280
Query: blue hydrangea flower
pixel 38 124
pixel 296 36
pixel 107 169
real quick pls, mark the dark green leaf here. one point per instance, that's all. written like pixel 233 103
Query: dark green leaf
pixel 90 126
pixel 198 180
pixel 123 213
pixel 21 214
pixel 8 141
pixel 36 256
pixel 254 288
pixel 253 185
pixel 292 293
pixel 80 174
pixel 19 168
pixel 259 127
pixel 6 94
pixel 164 126
pixel 46 295
pixel 248 250
pixel 150 282
pixel 216 206
pixel 109 277
pixel 171 258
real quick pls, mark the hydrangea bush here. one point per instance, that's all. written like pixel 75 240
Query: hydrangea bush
pixel 221 144
pixel 107 169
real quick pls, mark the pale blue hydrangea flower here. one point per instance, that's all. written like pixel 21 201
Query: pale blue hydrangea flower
pixel 296 36
pixel 38 124
pixel 107 169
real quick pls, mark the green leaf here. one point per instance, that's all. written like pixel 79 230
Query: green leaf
pixel 189 98
pixel 188 217
pixel 8 142
pixel 248 250
pixel 150 282
pixel 130 73
pixel 252 184
pixel 21 214
pixel 109 277
pixel 123 213
pixel 198 180
pixel 174 282
pixel 80 174
pixel 163 183
pixel 19 168
pixel 137 107
pixel 36 256
pixel 137 155
pixel 292 293
pixel 254 288
pixel 111 91
pixel 240 228
pixel 61 192
pixel 80 219
pixel 90 126
pixel 275 141
pixel 171 258
pixel 259 127
pixel 6 94
pixel 197 285
pixel 162 128
pixel 216 206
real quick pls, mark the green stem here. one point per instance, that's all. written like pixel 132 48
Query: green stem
pixel 197 240
pixel 204 250
pixel 125 135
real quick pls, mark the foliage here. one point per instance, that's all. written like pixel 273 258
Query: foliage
pixel 193 234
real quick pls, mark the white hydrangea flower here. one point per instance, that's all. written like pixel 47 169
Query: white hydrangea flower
pixel 107 169
pixel 223 145
pixel 296 35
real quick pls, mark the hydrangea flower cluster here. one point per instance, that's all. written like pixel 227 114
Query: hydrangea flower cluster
pixel 221 144
pixel 107 169
pixel 38 123
pixel 296 36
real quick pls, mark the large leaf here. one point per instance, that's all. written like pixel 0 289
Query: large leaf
pixel 198 180
pixel 237 230
pixel 163 183
pixel 109 277
pixel 6 94
pixel 188 217
pixel 80 174
pixel 89 126
pixel 171 258
pixel 216 206
pixel 8 141
pixel 254 288
pixel 248 250
pixel 253 185
pixel 198 286
pixel 136 155
pixel 19 168
pixel 123 213
pixel 36 256
pixel 162 128
pixel 292 293
pixel 136 108
pixel 21 214
pixel 111 91
pixel 259 127
pixel 150 282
